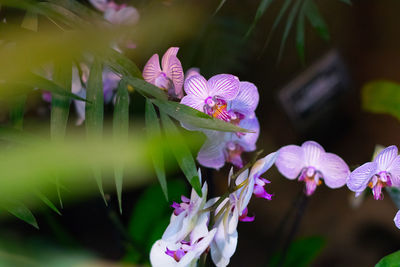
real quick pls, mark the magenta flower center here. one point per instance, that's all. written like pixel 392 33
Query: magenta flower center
pixel 176 254
pixel 216 107
pixel 311 177
pixel 379 181
pixel 181 207
pixel 162 81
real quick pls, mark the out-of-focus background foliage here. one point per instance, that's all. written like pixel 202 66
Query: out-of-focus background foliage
pixel 365 35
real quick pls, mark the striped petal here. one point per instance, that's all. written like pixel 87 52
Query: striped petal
pixel 334 170
pixel 194 102
pixel 394 170
pixel 196 86
pixel 152 69
pixel 312 153
pixel 248 140
pixel 247 100
pixel 173 68
pixel 226 86
pixel 385 158
pixel 290 161
pixel 359 178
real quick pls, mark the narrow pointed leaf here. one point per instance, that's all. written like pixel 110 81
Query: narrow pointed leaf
pixel 47 202
pixel 121 64
pixel 121 131
pixel 262 7
pixel 17 111
pixel 154 132
pixel 316 20
pixel 194 117
pixel 288 27
pixel 181 153
pixel 300 33
pixel 221 4
pixel 20 211
pixel 94 112
pixel 146 89
pixel 278 19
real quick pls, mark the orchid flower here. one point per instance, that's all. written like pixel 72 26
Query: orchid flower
pixel 212 96
pixel 221 147
pixel 383 171
pixel 170 77
pixel 310 163
pixel 185 215
pixel 234 209
pixel 245 104
pixel 185 252
pixel 115 13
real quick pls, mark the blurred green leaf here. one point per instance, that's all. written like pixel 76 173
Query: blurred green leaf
pixel 262 7
pixel 20 211
pixel 18 136
pixel 278 19
pixel 316 20
pixel 47 202
pixel 94 112
pixel 121 132
pixel 122 64
pixel 301 252
pixel 288 27
pixel 30 21
pixel 146 89
pixel 151 214
pixel 181 153
pixel 196 118
pixel 221 4
pixel 382 97
pixel 153 131
pixel 300 33
pixel 346 2
pixel 391 260
pixel 17 111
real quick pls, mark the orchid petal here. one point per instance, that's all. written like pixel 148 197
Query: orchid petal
pixel 226 86
pixel 248 140
pixel 196 86
pixel 290 161
pixel 263 164
pixel 152 69
pixel 192 72
pixel 385 158
pixel 76 84
pixel 126 16
pixel 169 55
pixel 359 178
pixel 99 4
pixel 176 230
pixel 312 153
pixel 394 170
pixel 223 247
pixel 247 100
pixel 193 255
pixel 211 153
pixel 158 257
pixel 193 102
pixel 80 107
pixel 175 72
pixel 201 228
pixel 397 219
pixel 334 170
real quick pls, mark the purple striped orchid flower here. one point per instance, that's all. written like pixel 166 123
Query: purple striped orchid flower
pixel 170 76
pixel 310 163
pixel 383 171
pixel 212 96
pixel 221 147
pixel 234 210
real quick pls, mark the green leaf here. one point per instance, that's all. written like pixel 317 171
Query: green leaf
pixel 382 97
pixel 262 7
pixel 18 136
pixel 300 33
pixel 196 118
pixel 17 111
pixel 154 132
pixel 121 131
pixel 121 64
pixel 289 23
pixel 391 260
pixel 94 112
pixel 20 211
pixel 152 213
pixel 47 202
pixel 347 2
pixel 301 252
pixel 221 4
pixel 278 19
pixel 60 109
pixel 146 89
pixel 316 20
pixel 181 153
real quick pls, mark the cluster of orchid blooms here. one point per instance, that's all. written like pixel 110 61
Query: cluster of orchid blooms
pixel 198 226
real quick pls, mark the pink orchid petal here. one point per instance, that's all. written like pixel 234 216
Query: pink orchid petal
pixel 394 170
pixel 196 86
pixel 168 56
pixel 192 72
pixel 397 219
pixel 247 100
pixel 334 170
pixel 152 69
pixel 211 153
pixel 248 140
pixel 359 178
pixel 193 102
pixel 290 161
pixel 312 153
pixel 226 86
pixel 175 72
pixel 385 158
